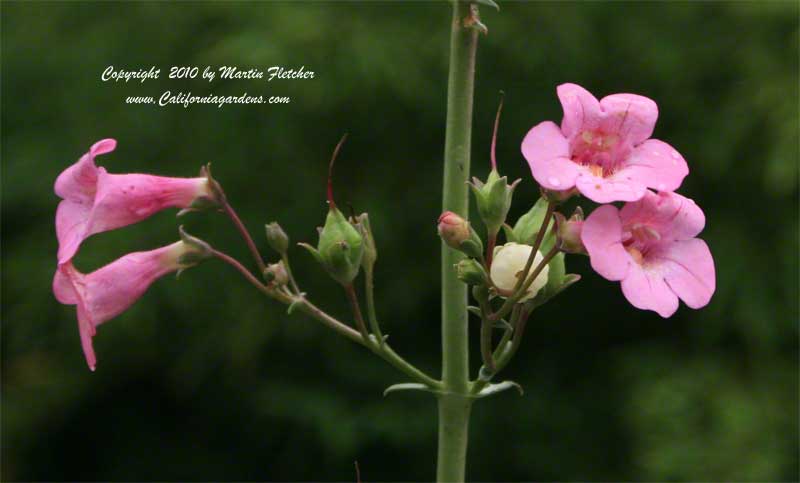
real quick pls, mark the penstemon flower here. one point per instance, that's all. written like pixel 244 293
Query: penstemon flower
pixel 603 148
pixel 650 246
pixel 110 290
pixel 95 201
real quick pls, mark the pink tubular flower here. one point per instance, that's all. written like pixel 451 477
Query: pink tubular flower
pixel 95 201
pixel 650 246
pixel 603 148
pixel 110 290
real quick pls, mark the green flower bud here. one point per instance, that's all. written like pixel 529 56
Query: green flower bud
pixel 276 274
pixel 340 249
pixel 471 272
pixel 277 238
pixel 493 199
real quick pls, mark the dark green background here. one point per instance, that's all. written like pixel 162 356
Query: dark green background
pixel 203 379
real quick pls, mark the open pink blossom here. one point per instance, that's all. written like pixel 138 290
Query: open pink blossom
pixel 650 246
pixel 603 148
pixel 110 290
pixel 95 201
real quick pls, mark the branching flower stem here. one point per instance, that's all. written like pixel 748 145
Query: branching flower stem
pixel 304 305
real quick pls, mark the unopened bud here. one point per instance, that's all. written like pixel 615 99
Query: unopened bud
pixel 568 232
pixel 493 199
pixel 275 274
pixel 453 229
pixel 340 248
pixel 508 267
pixel 277 238
pixel 471 272
pixel 457 233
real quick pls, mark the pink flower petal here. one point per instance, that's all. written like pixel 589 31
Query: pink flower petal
pixel 96 201
pixel 71 221
pixel 547 152
pixel 124 199
pixel 689 271
pixel 675 217
pixel 602 237
pixel 78 182
pixel 63 287
pixel 110 290
pixel 633 117
pixel 581 109
pixel 87 331
pixel 645 289
pixel 654 164
pixel 607 190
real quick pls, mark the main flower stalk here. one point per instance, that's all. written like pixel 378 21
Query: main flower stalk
pixel 454 404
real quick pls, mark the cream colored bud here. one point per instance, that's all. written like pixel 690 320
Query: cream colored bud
pixel 508 265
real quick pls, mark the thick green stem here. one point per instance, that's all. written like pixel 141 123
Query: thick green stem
pixel 453 418
pixel 454 404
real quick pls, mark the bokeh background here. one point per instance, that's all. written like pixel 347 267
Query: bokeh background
pixel 203 379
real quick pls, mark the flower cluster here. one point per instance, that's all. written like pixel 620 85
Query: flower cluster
pixel 95 201
pixel 603 150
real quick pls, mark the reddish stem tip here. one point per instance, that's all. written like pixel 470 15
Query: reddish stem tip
pixel 496 125
pixel 330 171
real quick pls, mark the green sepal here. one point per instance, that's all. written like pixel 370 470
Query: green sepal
pixel 527 226
pixel 509 232
pixel 361 222
pixel 312 251
pixel 474 310
pixel 198 250
pixel 472 246
pixel 407 386
pixel 471 272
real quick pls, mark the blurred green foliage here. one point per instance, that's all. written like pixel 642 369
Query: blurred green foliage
pixel 205 380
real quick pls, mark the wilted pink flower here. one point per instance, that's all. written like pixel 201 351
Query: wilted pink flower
pixel 650 246
pixel 603 148
pixel 95 201
pixel 110 290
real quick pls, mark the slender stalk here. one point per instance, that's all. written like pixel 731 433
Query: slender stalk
pixel 352 297
pixel 288 268
pixel 486 337
pixel 491 242
pixel 373 318
pixel 245 234
pixel 304 305
pixel 454 405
